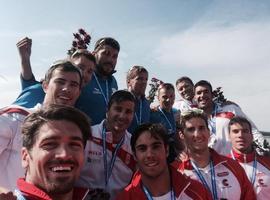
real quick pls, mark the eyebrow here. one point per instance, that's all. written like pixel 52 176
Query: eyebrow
pixel 74 138
pixel 154 143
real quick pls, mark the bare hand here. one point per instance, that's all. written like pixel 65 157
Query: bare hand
pixel 24 47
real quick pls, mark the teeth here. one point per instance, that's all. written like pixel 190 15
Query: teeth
pixel 66 98
pixel 61 168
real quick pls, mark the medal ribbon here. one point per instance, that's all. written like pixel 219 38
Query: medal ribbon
pixel 139 120
pixel 106 97
pixel 108 171
pixel 19 195
pixel 167 120
pixel 202 179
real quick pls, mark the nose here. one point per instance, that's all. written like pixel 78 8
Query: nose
pixel 149 153
pixel 63 152
pixel 197 133
pixel 66 88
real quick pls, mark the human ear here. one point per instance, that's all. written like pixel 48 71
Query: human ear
pixel 25 158
pixel 44 86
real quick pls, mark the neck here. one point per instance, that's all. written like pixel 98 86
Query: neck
pixel 101 75
pixel 138 96
pixel 67 196
pixel 208 110
pixel 117 136
pixel 158 186
pixel 166 109
pixel 245 151
pixel 200 158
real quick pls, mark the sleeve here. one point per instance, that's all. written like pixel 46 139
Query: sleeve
pixel 27 83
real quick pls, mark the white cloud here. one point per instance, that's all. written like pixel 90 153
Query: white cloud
pixel 242 45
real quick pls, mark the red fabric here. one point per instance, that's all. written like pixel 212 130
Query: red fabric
pixel 181 184
pixel 32 192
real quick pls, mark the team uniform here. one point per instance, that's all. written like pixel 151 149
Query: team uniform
pixel 95 96
pixel 141 115
pixel 29 191
pixel 11 119
pixel 100 171
pixel 257 169
pixel 32 93
pixel 183 105
pixel 167 119
pixel 183 188
pixel 224 177
pixel 218 125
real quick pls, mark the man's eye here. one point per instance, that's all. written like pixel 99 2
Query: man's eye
pixel 49 145
pixel 76 145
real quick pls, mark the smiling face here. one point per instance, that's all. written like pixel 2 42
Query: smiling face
pixel 203 97
pixel 120 116
pixel 196 135
pixel 106 58
pixel 185 89
pixel 241 137
pixel 151 155
pixel 63 88
pixel 86 66
pixel 54 162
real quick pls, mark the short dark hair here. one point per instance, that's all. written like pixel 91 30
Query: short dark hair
pixel 192 113
pixel 53 112
pixel 120 96
pixel 84 52
pixel 184 78
pixel 167 86
pixel 134 70
pixel 64 66
pixel 157 131
pixel 241 121
pixel 107 41
pixel 203 83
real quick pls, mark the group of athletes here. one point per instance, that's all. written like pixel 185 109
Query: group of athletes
pixel 74 135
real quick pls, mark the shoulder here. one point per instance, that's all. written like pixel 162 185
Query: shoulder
pixel 14 109
pixel 264 160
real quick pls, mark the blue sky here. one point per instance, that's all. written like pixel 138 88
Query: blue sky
pixel 226 42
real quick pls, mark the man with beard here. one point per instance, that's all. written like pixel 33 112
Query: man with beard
pixel 137 78
pixel 62 85
pixel 54 138
pixel 219 117
pixel 257 167
pixel 96 94
pixel 184 86
pixel 109 163
pixel 222 176
pixel 155 179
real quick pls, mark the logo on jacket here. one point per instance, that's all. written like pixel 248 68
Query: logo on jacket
pixel 225 183
pixel 221 174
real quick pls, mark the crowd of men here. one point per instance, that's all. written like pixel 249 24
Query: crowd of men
pixel 74 135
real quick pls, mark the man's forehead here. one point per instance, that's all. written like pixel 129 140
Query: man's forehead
pixel 240 126
pixel 195 121
pixel 57 129
pixel 150 136
pixel 107 47
pixel 202 88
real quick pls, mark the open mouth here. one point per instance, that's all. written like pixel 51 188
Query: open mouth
pixel 61 169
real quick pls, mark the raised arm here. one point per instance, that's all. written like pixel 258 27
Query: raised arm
pixel 24 47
